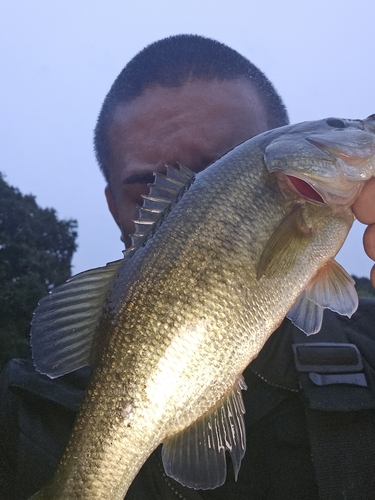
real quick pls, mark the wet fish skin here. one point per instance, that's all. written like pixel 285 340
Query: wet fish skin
pixel 190 309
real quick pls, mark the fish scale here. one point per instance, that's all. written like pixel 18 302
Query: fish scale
pixel 192 305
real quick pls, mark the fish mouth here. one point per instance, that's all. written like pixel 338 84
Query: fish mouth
pixel 329 165
pixel 320 191
pixel 305 189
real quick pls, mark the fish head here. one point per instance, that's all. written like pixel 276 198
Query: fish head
pixel 325 162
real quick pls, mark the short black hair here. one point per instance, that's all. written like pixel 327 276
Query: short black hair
pixel 173 61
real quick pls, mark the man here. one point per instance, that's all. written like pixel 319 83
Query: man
pixel 190 99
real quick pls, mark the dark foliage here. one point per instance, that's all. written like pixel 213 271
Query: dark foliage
pixel 364 287
pixel 35 255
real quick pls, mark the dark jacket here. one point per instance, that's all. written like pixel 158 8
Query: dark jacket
pixel 37 415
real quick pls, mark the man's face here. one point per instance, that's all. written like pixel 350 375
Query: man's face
pixel 194 124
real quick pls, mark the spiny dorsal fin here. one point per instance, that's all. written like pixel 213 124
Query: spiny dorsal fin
pixel 196 456
pixel 64 325
pixel 164 193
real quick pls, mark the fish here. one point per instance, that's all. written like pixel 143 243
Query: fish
pixel 217 260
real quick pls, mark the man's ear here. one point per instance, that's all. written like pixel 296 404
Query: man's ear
pixel 112 205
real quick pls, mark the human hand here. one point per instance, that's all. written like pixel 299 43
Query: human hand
pixel 364 210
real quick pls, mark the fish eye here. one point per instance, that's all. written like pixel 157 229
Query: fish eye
pixel 335 122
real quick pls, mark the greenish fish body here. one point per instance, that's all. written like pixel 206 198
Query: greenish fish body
pixel 172 326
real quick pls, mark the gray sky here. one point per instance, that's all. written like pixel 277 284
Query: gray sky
pixel 59 59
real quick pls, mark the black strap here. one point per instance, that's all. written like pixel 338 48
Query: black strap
pixel 340 418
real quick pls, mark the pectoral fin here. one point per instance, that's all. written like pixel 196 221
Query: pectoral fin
pixel 196 456
pixel 285 246
pixel 331 288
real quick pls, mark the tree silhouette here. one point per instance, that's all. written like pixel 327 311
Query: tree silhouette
pixel 36 249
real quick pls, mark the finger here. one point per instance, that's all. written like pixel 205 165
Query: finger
pixel 372 276
pixel 364 206
pixel 369 241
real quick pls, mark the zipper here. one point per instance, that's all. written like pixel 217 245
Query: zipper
pixel 166 480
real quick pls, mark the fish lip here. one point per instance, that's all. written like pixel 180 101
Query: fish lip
pixel 369 123
pixel 337 155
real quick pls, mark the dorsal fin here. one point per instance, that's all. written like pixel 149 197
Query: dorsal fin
pixel 165 192
pixel 64 325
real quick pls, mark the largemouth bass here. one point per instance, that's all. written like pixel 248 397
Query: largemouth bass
pixel 218 260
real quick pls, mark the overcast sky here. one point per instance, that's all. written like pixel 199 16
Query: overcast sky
pixel 59 59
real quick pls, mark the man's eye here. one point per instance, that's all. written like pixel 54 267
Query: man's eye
pixel 142 189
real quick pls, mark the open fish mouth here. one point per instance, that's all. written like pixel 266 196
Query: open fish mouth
pixel 321 191
pixel 305 189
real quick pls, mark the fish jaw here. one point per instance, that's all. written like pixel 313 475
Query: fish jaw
pixel 333 164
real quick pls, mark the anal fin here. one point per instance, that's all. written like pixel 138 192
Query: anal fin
pixel 196 456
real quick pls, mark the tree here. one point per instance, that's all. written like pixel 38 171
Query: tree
pixel 36 249
pixel 364 287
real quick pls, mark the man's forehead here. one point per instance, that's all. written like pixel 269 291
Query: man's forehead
pixel 194 124
pixel 229 93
